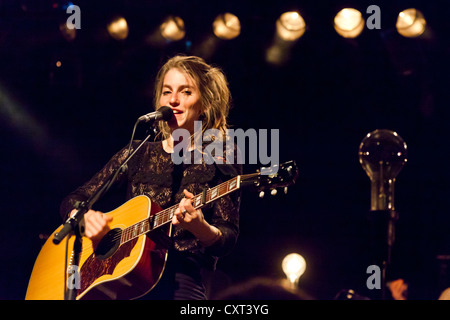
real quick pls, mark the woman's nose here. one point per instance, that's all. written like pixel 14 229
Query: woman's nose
pixel 174 101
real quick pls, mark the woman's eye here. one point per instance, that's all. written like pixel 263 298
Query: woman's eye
pixel 165 93
pixel 187 92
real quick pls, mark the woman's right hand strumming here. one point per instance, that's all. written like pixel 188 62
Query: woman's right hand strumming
pixel 96 224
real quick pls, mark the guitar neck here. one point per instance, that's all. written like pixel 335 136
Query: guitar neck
pixel 165 216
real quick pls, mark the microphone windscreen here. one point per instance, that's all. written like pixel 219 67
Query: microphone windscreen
pixel 166 112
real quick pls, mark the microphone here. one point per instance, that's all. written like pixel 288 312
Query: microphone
pixel 162 114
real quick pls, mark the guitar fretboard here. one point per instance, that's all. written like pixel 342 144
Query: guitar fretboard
pixel 165 216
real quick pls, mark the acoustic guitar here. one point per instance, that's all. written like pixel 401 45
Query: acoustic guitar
pixel 126 263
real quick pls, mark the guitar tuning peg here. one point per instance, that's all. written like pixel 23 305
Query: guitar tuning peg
pixel 285 190
pixel 261 194
pixel 273 192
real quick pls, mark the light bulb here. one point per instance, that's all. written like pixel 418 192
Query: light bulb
pixel 227 26
pixel 411 23
pixel 290 26
pixel 349 23
pixel 118 28
pixel 173 28
pixel 382 154
pixel 293 265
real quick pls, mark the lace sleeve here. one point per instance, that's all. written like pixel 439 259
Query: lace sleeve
pixel 226 218
pixel 225 212
pixel 84 192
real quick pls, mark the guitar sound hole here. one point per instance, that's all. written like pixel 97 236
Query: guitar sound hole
pixel 109 244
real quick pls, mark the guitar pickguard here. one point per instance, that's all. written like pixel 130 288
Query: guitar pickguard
pixel 94 268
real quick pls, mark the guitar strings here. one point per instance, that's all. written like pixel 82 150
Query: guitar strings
pixel 130 232
pixel 142 227
pixel 166 214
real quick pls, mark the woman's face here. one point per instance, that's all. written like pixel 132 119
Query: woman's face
pixel 180 93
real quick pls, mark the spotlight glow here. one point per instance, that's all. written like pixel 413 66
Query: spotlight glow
pixel 290 26
pixel 410 23
pixel 118 28
pixel 349 23
pixel 173 28
pixel 227 26
pixel 294 265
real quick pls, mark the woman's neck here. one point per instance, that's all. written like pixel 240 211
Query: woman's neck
pixel 169 144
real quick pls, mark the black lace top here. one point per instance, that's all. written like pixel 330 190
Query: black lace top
pixel 151 172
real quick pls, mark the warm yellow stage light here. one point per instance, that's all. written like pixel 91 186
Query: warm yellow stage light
pixel 349 23
pixel 173 28
pixel 410 23
pixel 290 26
pixel 118 28
pixel 293 265
pixel 227 26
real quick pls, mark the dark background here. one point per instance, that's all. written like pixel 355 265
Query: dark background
pixel 60 125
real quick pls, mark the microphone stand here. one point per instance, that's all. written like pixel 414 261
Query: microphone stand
pixel 75 224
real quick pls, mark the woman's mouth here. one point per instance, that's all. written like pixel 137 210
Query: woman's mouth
pixel 175 111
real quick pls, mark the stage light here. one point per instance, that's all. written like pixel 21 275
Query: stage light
pixel 227 26
pixel 382 154
pixel 349 23
pixel 173 28
pixel 293 265
pixel 290 26
pixel 410 23
pixel 118 28
pixel 68 34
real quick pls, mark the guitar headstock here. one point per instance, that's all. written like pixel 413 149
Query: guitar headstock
pixel 276 176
